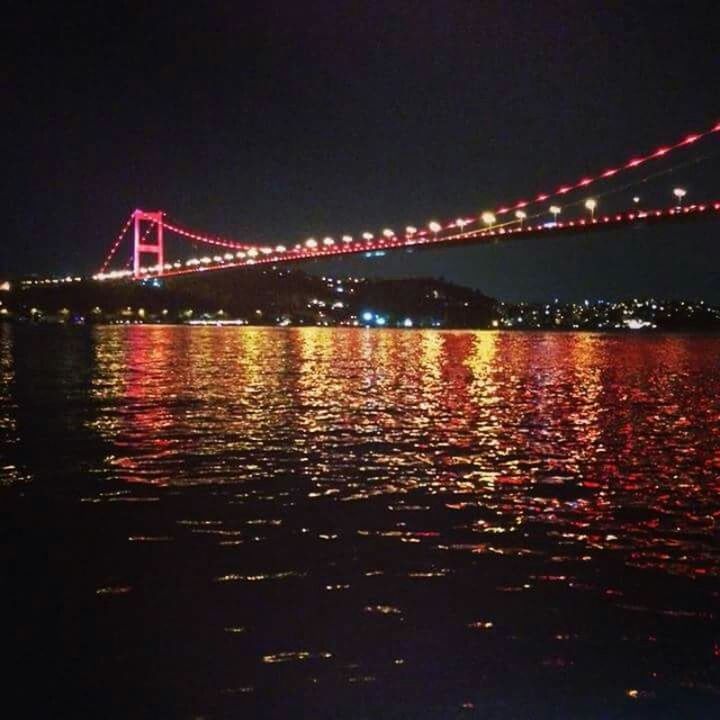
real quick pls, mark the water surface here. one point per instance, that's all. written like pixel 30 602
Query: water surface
pixel 239 522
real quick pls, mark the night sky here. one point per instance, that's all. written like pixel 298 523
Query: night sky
pixel 273 121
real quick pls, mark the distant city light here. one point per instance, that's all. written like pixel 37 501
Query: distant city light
pixel 367 316
pixel 434 227
pixel 407 322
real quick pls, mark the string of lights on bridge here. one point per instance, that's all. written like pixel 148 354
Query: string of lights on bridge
pixel 488 224
pixel 266 255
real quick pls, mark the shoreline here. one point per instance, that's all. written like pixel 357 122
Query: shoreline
pixel 634 332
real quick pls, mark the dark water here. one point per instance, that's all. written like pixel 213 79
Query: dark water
pixel 252 523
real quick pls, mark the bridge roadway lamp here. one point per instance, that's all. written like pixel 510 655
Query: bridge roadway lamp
pixel 555 210
pixel 679 193
pixel 435 228
pixel 488 218
pixel 591 204
pixel 521 215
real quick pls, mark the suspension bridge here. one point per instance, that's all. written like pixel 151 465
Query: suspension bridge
pixel 541 216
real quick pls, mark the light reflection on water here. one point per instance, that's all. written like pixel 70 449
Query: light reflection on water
pixel 422 522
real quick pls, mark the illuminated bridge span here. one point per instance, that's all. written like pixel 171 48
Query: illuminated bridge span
pixel 523 218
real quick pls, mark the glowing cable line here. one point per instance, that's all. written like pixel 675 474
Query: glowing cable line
pixel 116 244
pixel 614 191
pixel 205 238
pixel 611 172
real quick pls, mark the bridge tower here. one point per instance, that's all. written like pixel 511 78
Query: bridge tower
pixel 141 247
